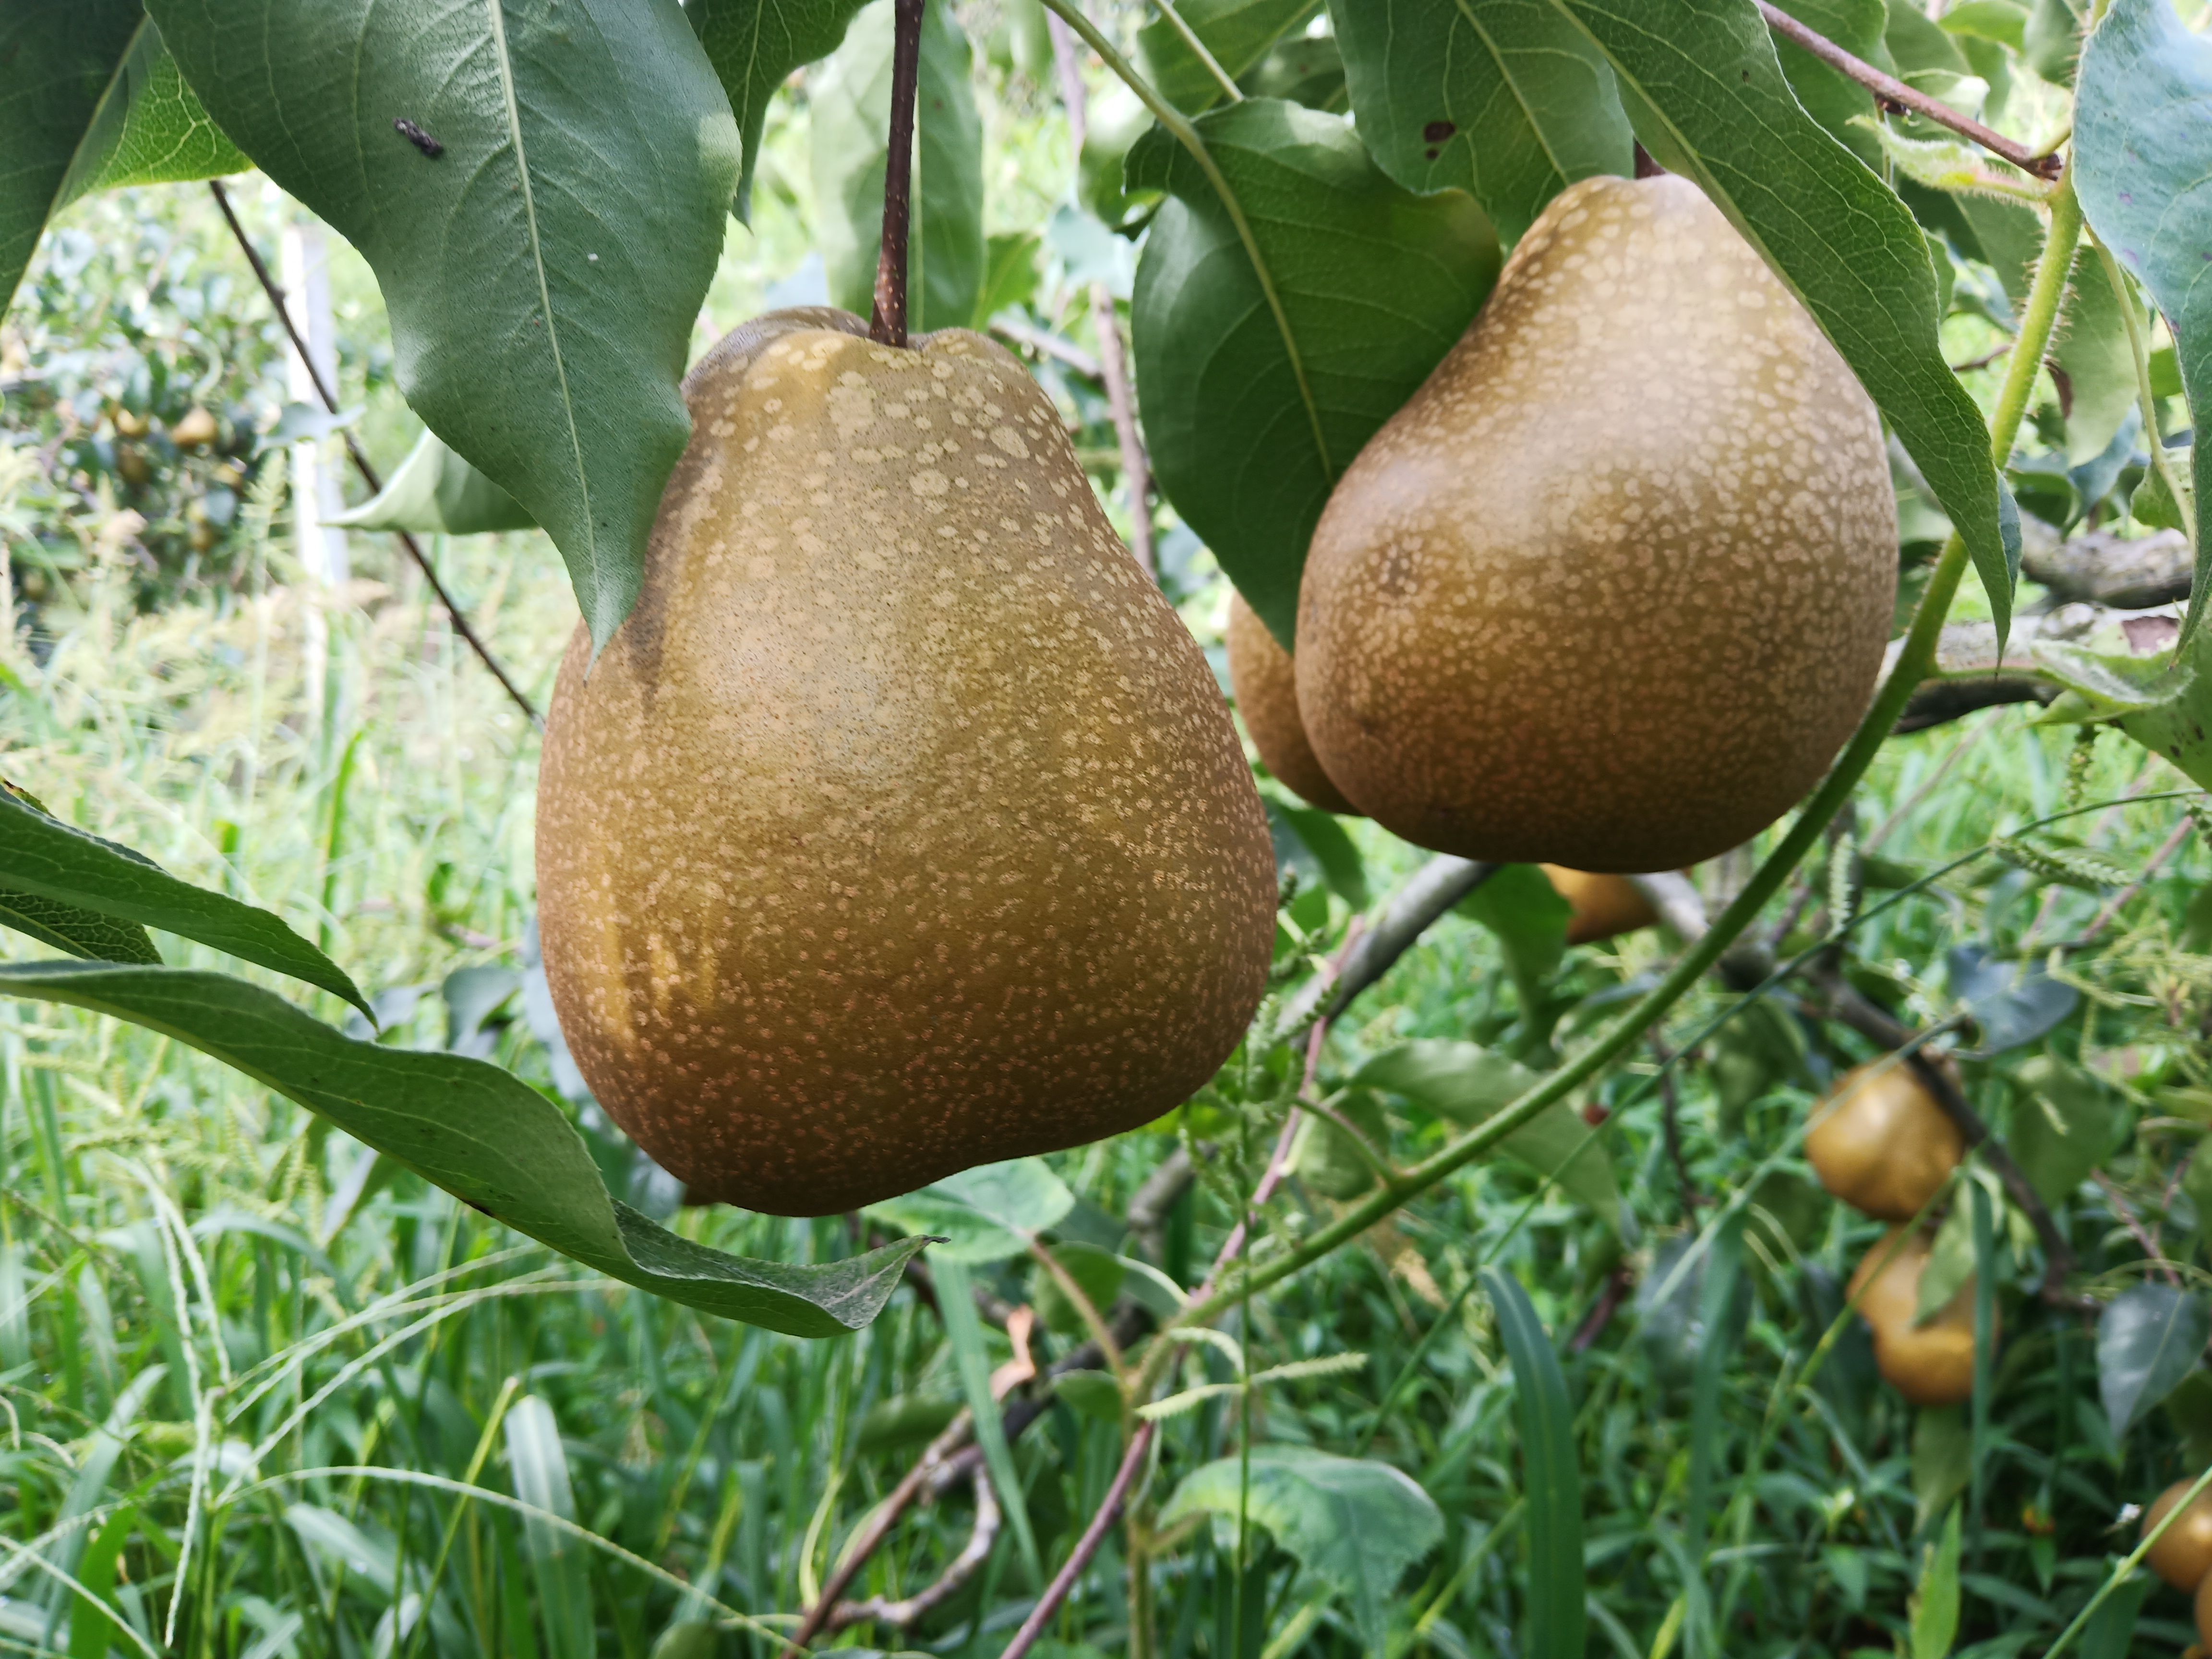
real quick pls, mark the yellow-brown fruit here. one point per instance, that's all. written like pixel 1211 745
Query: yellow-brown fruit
pixel 1881 1143
pixel 1267 688
pixel 1612 589
pixel 195 431
pixel 2182 1557
pixel 1605 906
pixel 2204 1612
pixel 1930 1364
pixel 902 827
pixel 132 466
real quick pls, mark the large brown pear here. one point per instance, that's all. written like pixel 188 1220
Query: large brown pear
pixel 1265 683
pixel 1612 589
pixel 1881 1143
pixel 1931 1364
pixel 902 827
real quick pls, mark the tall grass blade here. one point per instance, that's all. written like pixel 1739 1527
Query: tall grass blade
pixel 1557 1615
pixel 540 1470
pixel 956 1301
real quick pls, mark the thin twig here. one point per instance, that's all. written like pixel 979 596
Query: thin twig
pixel 2148 1240
pixel 1889 90
pixel 328 393
pixel 2167 850
pixel 1046 344
pixel 1136 465
pixel 1087 1546
pixel 903 1613
pixel 887 323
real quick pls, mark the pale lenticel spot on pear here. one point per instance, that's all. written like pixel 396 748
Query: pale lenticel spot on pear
pixel 1612 589
pixel 902 828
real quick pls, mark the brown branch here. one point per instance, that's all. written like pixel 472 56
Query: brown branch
pixel 1887 89
pixel 2102 568
pixel 1617 1283
pixel 1046 344
pixel 328 393
pixel 887 323
pixel 1936 702
pixel 1085 1548
pixel 1395 928
pixel 1136 465
pixel 903 1613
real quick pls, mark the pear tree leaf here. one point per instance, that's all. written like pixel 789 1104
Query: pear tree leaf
pixel 1706 94
pixel 1316 844
pixel 1466 1083
pixel 1831 97
pixel 90 99
pixel 754 45
pixel 852 104
pixel 1551 1474
pixel 2151 1336
pixel 478 1131
pixel 2012 1002
pixel 1507 100
pixel 48 859
pixel 1354 1524
pixel 543 242
pixel 1252 415
pixel 1936 1602
pixel 2065 1123
pixel 2161 699
pixel 1529 917
pixel 987 1213
pixel 71 928
pixel 435 492
pixel 2142 167
pixel 1238 32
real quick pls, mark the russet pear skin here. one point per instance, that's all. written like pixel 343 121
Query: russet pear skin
pixel 1265 683
pixel 902 827
pixel 1612 589
pixel 1880 1142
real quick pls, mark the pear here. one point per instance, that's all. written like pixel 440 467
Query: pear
pixel 1612 589
pixel 2183 1554
pixel 1930 1364
pixel 1264 681
pixel 1881 1143
pixel 1605 906
pixel 902 827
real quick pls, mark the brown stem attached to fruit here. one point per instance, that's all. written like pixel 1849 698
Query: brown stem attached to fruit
pixel 360 462
pixel 887 323
pixel 1889 90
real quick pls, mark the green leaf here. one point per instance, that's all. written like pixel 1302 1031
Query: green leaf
pixel 1949 1265
pixel 1097 1273
pixel 435 492
pixel 1252 415
pixel 557 1565
pixel 72 928
pixel 150 128
pixel 1238 32
pixel 1551 1476
pixel 2143 153
pixel 1353 1524
pixel 2163 701
pixel 1936 1602
pixel 48 859
pixel 852 105
pixel 1317 844
pixel 2151 1336
pixel 465 1124
pixel 1709 99
pixel 754 45
pixel 987 1213
pixel 1506 100
pixel 955 1306
pixel 2110 1631
pixel 2064 1124
pixel 63 63
pixel 1010 275
pixel 543 271
pixel 1466 1083
pixel 1520 906
pixel 92 1628
pixel 2003 21
pixel 2051 43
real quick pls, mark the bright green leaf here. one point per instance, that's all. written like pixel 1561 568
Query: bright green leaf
pixel 544 270
pixel 2065 1123
pixel 1714 105
pixel 1936 1602
pixel 1252 417
pixel 435 491
pixel 1831 97
pixel 852 104
pixel 1506 100
pixel 1238 33
pixel 2143 165
pixel 1551 1475
pixel 1354 1524
pixel 754 45
pixel 465 1124
pixel 61 864
pixel 987 1213
pixel 2005 22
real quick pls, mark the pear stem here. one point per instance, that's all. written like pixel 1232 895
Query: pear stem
pixel 887 325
